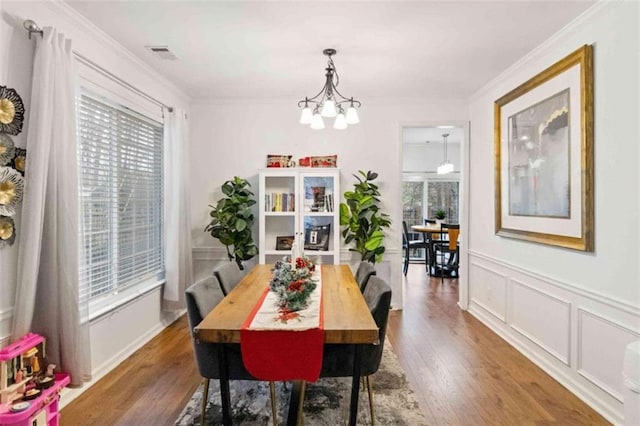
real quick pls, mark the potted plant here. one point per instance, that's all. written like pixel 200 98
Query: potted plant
pixel 232 220
pixel 362 219
pixel 440 215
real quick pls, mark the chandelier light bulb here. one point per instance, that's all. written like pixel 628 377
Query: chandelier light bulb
pixel 340 123
pixel 317 123
pixel 352 116
pixel 306 116
pixel 328 108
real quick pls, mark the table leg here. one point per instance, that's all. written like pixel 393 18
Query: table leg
pixel 224 385
pixel 355 385
pixel 294 402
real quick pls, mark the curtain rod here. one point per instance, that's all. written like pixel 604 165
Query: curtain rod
pixel 33 28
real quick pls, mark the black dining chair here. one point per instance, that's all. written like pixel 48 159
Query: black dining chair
pixel 365 271
pixel 201 298
pixel 447 251
pixel 408 245
pixel 337 359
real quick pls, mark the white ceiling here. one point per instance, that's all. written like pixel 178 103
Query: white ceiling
pixel 270 49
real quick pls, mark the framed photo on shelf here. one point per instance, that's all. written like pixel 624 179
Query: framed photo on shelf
pixel 543 151
pixel 284 242
pixel 317 237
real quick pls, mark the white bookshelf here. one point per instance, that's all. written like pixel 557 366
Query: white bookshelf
pixel 298 201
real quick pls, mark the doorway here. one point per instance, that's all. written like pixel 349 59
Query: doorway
pixel 428 188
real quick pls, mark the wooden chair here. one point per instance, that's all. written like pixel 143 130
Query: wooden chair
pixel 201 298
pixel 365 271
pixel 447 251
pixel 408 245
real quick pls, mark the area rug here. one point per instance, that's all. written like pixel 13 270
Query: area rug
pixel 326 401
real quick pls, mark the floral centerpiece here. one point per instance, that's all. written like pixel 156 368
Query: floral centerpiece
pixel 293 284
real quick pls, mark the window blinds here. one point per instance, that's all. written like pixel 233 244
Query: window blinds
pixel 121 193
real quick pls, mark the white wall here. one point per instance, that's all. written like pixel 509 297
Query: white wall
pixel 234 138
pixel 15 71
pixel 116 335
pixel 571 312
pixel 427 157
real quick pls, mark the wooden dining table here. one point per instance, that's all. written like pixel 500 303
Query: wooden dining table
pixel 347 320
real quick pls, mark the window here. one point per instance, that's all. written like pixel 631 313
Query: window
pixel 412 208
pixel 121 194
pixel 443 195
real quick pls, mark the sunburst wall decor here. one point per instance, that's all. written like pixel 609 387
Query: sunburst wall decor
pixel 7 149
pixel 19 161
pixel 11 111
pixel 7 231
pixel 11 190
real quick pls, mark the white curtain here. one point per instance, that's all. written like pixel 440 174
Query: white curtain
pixel 47 295
pixel 178 262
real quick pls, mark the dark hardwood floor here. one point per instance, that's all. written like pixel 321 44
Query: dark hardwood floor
pixel 462 372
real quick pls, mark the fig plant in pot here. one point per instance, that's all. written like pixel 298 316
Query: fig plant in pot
pixel 362 221
pixel 232 220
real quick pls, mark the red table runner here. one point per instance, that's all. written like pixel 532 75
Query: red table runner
pixel 281 346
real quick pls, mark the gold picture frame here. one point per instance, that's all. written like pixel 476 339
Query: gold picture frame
pixel 543 149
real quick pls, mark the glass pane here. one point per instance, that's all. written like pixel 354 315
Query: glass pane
pixel 412 196
pixel 444 196
pixel 318 194
pixel 318 233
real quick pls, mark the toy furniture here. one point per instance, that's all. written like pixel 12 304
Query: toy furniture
pixel 28 395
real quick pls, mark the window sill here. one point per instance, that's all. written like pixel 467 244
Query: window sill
pixel 100 308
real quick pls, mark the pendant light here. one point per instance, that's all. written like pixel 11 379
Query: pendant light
pixel 329 102
pixel 446 166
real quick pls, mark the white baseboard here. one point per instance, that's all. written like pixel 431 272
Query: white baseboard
pixel 69 394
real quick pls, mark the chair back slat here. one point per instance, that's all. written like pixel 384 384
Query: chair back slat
pixel 453 232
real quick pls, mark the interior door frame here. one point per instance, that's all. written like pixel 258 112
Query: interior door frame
pixel 463 197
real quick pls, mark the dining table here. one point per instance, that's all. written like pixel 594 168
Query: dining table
pixel 347 320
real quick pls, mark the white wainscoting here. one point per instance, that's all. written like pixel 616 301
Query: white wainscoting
pixel 527 318
pixel 6 316
pixel 490 290
pixel 577 336
pixel 595 363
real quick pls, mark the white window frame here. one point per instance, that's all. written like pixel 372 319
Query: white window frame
pixel 104 90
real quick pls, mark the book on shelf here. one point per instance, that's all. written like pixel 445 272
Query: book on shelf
pixel 279 202
pixel 328 202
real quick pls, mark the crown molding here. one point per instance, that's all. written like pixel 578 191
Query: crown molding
pixel 63 9
pixel 543 48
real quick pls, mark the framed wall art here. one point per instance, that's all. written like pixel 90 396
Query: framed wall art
pixel 544 156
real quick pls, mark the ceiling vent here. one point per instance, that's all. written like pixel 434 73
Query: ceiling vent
pixel 162 52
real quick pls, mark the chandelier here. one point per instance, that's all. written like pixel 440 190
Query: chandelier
pixel 446 166
pixel 329 102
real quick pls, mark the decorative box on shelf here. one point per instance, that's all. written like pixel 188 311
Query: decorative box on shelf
pixel 29 395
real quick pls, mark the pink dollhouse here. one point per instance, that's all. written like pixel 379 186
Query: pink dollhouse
pixel 28 394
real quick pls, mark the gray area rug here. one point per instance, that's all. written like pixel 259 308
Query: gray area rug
pixel 326 401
